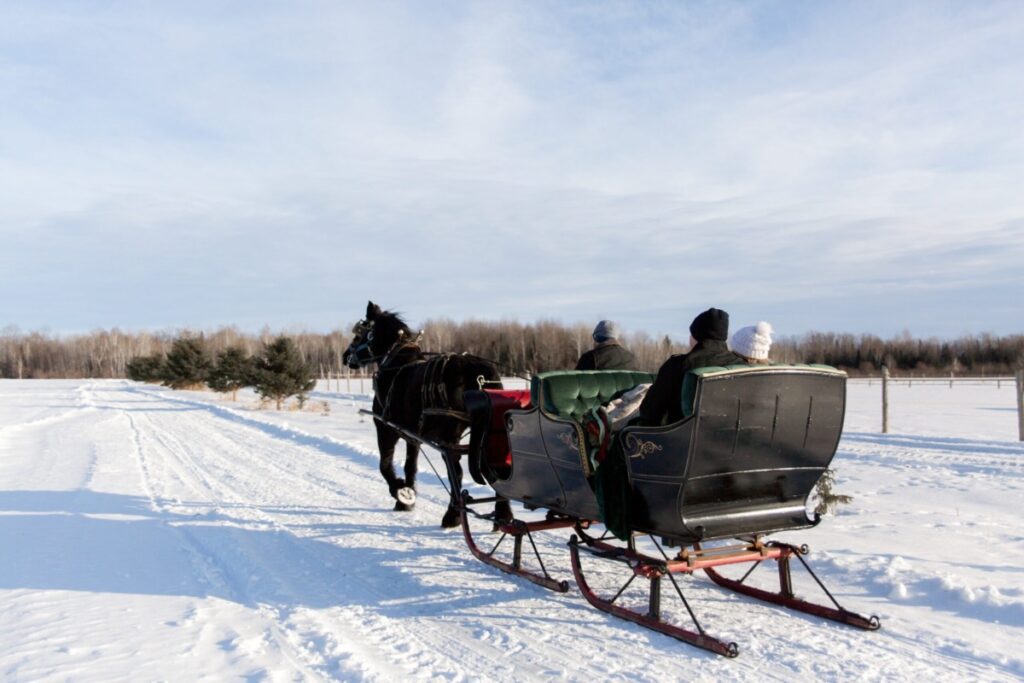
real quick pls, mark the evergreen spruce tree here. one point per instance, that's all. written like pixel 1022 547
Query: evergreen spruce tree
pixel 231 372
pixel 146 368
pixel 187 363
pixel 280 372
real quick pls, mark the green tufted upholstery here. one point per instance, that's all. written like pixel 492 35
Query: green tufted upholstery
pixel 571 393
pixel 690 380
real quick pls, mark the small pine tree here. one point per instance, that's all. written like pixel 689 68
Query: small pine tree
pixel 146 368
pixel 280 372
pixel 828 500
pixel 231 372
pixel 187 363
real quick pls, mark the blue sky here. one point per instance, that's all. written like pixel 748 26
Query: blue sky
pixel 834 166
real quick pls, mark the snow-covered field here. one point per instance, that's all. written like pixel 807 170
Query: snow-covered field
pixel 155 535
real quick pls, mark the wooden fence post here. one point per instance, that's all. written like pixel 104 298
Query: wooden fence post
pixel 1020 404
pixel 885 400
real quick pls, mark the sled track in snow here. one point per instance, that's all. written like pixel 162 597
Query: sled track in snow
pixel 963 455
pixel 235 445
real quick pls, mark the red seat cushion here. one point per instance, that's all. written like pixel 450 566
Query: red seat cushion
pixel 502 400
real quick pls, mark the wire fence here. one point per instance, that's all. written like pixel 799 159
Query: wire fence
pixel 887 380
pixel 997 382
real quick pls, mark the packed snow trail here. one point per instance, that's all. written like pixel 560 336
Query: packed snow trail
pixel 161 535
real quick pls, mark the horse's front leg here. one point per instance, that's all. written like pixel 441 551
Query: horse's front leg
pixel 406 493
pixel 387 439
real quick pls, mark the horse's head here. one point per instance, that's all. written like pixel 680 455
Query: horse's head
pixel 374 336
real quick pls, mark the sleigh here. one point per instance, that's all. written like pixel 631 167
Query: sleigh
pixel 741 465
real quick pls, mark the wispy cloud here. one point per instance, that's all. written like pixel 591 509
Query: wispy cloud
pixel 258 162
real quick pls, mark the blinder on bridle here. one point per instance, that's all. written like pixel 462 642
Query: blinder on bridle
pixel 360 349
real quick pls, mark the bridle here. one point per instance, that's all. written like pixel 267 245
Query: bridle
pixel 363 352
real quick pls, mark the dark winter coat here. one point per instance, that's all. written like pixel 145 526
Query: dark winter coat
pixel 607 356
pixel 661 405
pixel 663 402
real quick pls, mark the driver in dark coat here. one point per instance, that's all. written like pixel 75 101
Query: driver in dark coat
pixel 709 332
pixel 607 353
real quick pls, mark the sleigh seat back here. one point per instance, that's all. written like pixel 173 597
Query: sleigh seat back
pixel 744 460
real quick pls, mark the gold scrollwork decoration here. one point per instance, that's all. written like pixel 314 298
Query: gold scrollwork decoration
pixel 638 448
pixel 569 439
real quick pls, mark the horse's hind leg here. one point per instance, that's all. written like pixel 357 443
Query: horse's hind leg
pixel 453 515
pixel 502 513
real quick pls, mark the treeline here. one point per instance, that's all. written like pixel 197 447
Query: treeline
pixel 865 354
pixel 106 353
pixel 529 348
pixel 518 347
pixel 551 345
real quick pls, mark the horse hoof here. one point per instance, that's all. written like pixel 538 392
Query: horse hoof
pixel 451 519
pixel 402 507
pixel 406 495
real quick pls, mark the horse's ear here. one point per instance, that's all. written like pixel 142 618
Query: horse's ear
pixel 372 310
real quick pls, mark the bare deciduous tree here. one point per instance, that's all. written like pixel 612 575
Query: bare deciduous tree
pixel 516 346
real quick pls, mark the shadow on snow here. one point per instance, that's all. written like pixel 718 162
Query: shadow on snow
pixel 108 543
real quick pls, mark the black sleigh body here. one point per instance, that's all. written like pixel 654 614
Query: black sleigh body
pixel 743 463
pixel 753 444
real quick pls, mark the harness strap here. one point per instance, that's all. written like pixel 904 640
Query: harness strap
pixel 434 392
pixel 463 417
pixel 391 355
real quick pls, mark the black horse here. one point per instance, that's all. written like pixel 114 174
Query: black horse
pixel 421 394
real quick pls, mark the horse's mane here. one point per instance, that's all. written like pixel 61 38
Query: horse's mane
pixel 389 325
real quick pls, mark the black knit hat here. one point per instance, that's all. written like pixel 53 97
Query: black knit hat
pixel 712 324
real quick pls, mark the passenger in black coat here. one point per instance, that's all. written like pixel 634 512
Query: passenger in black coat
pixel 663 402
pixel 607 353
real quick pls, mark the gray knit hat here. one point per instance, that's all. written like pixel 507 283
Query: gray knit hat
pixel 606 330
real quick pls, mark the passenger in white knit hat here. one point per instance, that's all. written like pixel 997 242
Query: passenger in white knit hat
pixel 753 343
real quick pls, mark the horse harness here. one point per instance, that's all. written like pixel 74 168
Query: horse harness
pixel 434 399
pixel 434 392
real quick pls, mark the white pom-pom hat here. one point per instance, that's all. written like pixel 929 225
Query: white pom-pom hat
pixel 753 341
